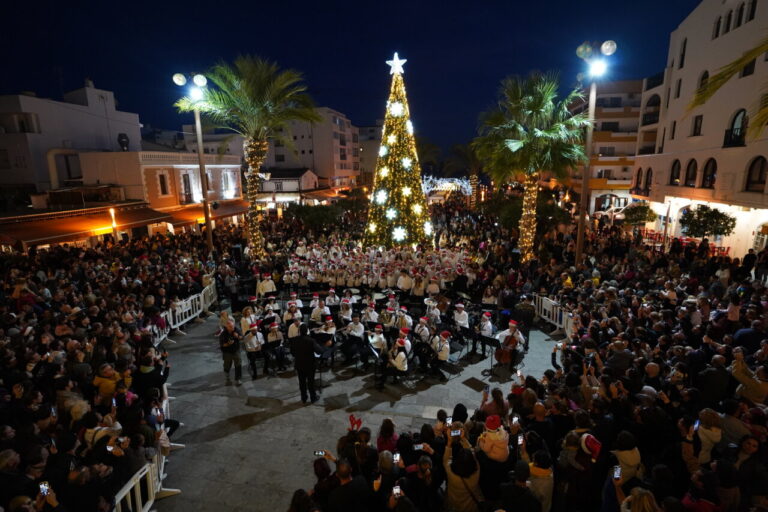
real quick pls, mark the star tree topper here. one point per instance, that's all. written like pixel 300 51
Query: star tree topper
pixel 396 65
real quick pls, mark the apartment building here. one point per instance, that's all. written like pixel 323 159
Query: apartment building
pixel 370 141
pixel 614 144
pixel 330 148
pixel 703 155
pixel 40 138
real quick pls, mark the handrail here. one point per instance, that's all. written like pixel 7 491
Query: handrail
pixel 185 310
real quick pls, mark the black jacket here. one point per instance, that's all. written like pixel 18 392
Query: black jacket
pixel 519 499
pixel 303 349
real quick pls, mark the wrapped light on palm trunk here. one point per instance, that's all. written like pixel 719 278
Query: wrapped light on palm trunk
pixel 255 152
pixel 528 219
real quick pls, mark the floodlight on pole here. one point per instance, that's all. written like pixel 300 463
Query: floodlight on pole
pixel 179 79
pixel 597 68
pixel 195 93
pixel 200 80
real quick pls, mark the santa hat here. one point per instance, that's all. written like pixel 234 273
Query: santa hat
pixel 252 299
pixel 493 422
pixel 265 275
pixel 459 270
pixel 379 327
pixel 487 314
pixel 591 446
pixel 512 322
pixel 315 295
pixel 293 294
pixel 371 304
pixel 332 290
pixel 391 296
pixel 254 325
pixel 424 319
pixel 345 301
pixel 445 334
pixel 328 319
pixel 400 342
pixel 273 325
pixel 390 309
pixel 403 309
pixel 405 330
pixel 460 305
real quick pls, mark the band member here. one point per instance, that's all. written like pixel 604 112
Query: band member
pixel 378 341
pixel 345 311
pixel 524 313
pixel 275 347
pixel 315 300
pixel 433 288
pixel 320 311
pixel 332 299
pixel 265 286
pixel 421 332
pixel 354 332
pixel 392 301
pixel 397 364
pixel 296 300
pixel 348 296
pixel 388 317
pixel 510 339
pixel 370 314
pixel 404 281
pixel 433 312
pixel 403 318
pixel 293 312
pixel 403 334
pixel 252 342
pixel 294 329
pixel 484 329
pixel 460 317
pixel 248 318
pixel 442 347
pixel 419 286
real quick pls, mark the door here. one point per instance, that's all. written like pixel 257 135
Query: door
pixel 186 189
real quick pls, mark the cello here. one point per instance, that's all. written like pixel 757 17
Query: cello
pixel 506 353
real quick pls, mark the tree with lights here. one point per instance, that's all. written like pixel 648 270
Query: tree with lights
pixel 397 213
pixel 531 132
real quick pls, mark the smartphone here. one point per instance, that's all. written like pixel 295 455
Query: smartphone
pixel 449 420
pixel 519 373
pixel 114 402
pixel 520 440
pixel 516 420
pixel 44 488
pixel 396 491
pixel 487 388
pixel 319 453
pixel 110 448
pixel 53 411
pixel 396 458
pixel 456 433
pixel 617 473
pixel 419 446
pixel 696 425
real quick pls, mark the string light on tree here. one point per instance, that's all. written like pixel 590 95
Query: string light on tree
pixel 398 213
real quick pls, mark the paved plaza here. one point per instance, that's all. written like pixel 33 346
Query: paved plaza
pixel 248 448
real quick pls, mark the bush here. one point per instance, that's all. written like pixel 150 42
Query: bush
pixel 638 214
pixel 705 221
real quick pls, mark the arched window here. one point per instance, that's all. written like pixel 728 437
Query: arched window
pixel 703 79
pixel 756 175
pixel 639 178
pixel 690 173
pixel 739 122
pixel 709 174
pixel 681 61
pixel 674 174
pixel 727 25
pixel 739 16
pixel 648 178
pixel 752 10
pixel 716 30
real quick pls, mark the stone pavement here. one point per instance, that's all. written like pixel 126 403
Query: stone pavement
pixel 249 448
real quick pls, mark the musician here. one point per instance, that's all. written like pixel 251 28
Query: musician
pixel 265 286
pixel 351 298
pixel 419 286
pixel 315 300
pixel 403 318
pixel 397 364
pixel 354 333
pixel 271 302
pixel 328 327
pixel 460 317
pixel 433 288
pixel 370 314
pixel 296 300
pixel 404 281
pixel 392 301
pixel 485 328
pixel 421 333
pixel 320 311
pixel 270 316
pixel 252 342
pixel 293 312
pixel 378 341
pixel 511 339
pixel 332 299
pixel 403 334
pixel 274 349
pixel 345 311
pixel 294 329
pixel 388 317
pixel 433 312
pixel 382 282
pixel 441 345
pixel 248 318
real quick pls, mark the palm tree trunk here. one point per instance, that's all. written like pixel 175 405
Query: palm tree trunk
pixel 473 179
pixel 255 152
pixel 528 219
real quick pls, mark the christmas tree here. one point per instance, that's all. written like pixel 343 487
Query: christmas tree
pixel 397 213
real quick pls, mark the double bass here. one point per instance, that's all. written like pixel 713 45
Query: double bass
pixel 506 353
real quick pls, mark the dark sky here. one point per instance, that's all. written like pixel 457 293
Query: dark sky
pixel 457 51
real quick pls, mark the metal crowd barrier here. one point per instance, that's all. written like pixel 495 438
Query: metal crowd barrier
pixel 185 311
pixel 146 485
pixel 555 314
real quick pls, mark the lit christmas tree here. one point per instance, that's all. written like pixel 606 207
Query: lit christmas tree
pixel 397 213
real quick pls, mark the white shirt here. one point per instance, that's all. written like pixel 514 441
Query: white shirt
pixel 332 300
pixel 461 318
pixel 518 335
pixel 441 347
pixel 253 341
pixel 422 331
pixel 400 362
pixel 378 341
pixel 355 329
pixel 288 316
pixel 404 282
pixel 370 316
pixel 486 328
pixel 318 313
pixel 294 330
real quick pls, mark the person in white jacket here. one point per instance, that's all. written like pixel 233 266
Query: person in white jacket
pixel 494 441
pixel 709 433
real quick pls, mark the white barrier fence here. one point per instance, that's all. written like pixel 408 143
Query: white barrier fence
pixel 555 314
pixel 146 485
pixel 185 311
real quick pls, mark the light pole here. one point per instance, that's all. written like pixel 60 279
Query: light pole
pixel 597 68
pixel 195 93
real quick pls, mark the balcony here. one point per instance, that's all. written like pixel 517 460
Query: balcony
pixel 637 191
pixel 650 118
pixel 734 138
pixel 186 199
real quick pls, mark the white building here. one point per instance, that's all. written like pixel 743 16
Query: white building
pixel 330 148
pixel 40 137
pixel 702 156
pixel 614 144
pixel 370 141
pixel 213 142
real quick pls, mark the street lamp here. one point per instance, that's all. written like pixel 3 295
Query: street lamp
pixel 196 93
pixel 597 67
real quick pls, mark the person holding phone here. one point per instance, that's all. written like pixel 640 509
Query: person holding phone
pixel 494 441
pixel 462 472
pixel 353 492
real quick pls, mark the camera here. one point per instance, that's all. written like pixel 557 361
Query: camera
pixel 456 433
pixel 449 420
pixel 396 458
pixel 419 446
pixel 617 473
pixel 45 488
pixel 396 491
pixel 319 453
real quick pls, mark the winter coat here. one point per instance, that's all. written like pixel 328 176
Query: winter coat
pixel 541 483
pixel 495 444
pixel 630 463
pixel 750 387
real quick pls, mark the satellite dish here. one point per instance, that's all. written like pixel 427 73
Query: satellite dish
pixel 123 140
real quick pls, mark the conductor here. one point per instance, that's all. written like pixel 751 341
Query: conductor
pixel 303 349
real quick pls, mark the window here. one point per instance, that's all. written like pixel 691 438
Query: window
pixel 681 62
pixel 342 153
pixel 279 158
pixel 710 174
pixel 354 137
pixel 162 179
pixel 278 186
pixel 739 16
pixel 639 178
pixel 672 130
pixel 716 30
pixel 607 151
pixel 752 9
pixel 690 173
pixel 5 160
pixel 209 178
pixel 703 79
pixel 225 181
pixel 674 174
pixel 696 125
pixel 342 139
pixel 727 26
pixel 748 69
pixel 612 126
pixel 678 86
pixel 756 175
pixel 648 178
pixel 310 151
pixel 669 95
pixel 739 122
pixel 355 166
pixel 336 135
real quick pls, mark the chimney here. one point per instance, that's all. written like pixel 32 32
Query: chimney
pixel 89 83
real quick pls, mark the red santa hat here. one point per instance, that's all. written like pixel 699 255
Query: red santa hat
pixel 273 325
pixel 591 446
pixel 332 290
pixel 345 301
pixel 379 327
pixel 493 422
pixel 391 296
pixel 390 309
pixel 424 319
pixel 265 275
pixel 291 303
pixel 252 299
pixel 254 325
pixel 329 319
pixel 293 294
pixel 512 322
pixel 400 342
pixel 445 334
pixel 403 309
pixel 315 295
pixel 405 330
pixel 487 314
pixel 372 305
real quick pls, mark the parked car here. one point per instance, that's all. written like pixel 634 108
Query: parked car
pixel 613 213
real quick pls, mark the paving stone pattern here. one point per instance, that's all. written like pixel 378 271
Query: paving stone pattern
pixel 249 448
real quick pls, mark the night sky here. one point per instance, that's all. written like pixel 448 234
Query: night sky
pixel 457 51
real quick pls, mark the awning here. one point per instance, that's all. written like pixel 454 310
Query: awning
pixel 194 214
pixel 45 229
pixel 322 194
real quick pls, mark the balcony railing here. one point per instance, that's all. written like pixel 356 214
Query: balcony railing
pixel 186 199
pixel 650 118
pixel 640 191
pixel 733 138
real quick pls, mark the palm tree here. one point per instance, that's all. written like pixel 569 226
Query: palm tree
pixel 529 132
pixel 254 98
pixel 463 159
pixel 759 114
